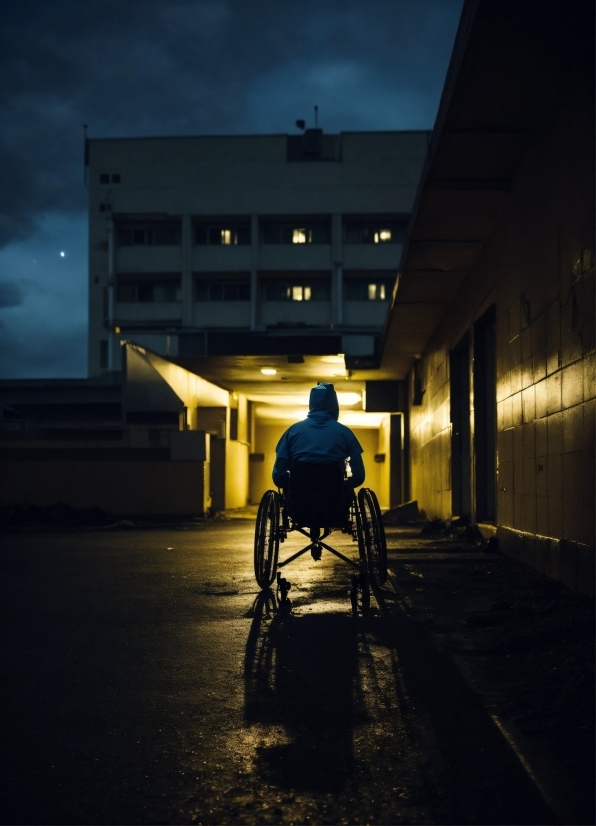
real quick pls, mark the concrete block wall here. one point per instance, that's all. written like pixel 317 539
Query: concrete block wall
pixel 537 269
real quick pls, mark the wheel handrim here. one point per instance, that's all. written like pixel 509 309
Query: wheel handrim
pixel 267 539
pixel 374 534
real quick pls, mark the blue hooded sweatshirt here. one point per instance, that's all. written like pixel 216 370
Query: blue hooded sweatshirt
pixel 319 438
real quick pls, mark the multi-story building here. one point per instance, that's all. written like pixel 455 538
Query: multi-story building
pixel 247 245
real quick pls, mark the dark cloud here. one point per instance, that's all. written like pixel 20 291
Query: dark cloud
pixel 204 66
pixel 42 354
pixel 11 295
pixel 149 67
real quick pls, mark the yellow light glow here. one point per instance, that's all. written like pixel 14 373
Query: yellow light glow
pixel 307 293
pixel 295 414
pixel 333 359
pixel 353 418
pixel 268 371
pixel 226 237
pixel 279 400
pixel 382 236
pixel 296 293
pixel 372 292
pixel 116 329
pixel 348 399
pixel 299 236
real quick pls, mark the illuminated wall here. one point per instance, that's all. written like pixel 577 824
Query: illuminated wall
pixel 266 437
pixel 537 270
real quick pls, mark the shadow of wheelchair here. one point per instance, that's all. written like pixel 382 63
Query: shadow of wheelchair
pixel 299 674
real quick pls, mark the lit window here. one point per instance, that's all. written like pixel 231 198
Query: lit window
pixel 370 231
pixel 383 236
pixel 218 235
pixel 319 290
pixel 318 232
pixel 357 289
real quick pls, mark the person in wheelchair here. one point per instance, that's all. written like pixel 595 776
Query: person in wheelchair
pixel 320 440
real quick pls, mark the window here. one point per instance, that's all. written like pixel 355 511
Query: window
pixel 222 235
pixel 375 232
pixel 156 235
pixel 362 289
pixel 103 355
pixel 104 178
pixel 222 290
pixel 279 290
pixel 296 233
pixel 166 291
pixel 116 178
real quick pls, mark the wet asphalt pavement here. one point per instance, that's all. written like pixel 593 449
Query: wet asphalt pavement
pixel 146 681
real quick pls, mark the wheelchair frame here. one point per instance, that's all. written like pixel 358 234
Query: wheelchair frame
pixel 363 522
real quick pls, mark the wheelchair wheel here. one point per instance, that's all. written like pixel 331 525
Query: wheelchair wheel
pixel 374 535
pixel 267 539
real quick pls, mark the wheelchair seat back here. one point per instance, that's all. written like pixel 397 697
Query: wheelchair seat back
pixel 316 495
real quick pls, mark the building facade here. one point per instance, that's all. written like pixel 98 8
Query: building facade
pixel 270 244
pixel 493 322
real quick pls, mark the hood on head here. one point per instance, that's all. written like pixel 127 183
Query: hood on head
pixel 324 398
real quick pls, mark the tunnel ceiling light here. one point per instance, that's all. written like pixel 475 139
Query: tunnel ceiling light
pixel 349 399
pixel 333 359
pixel 268 371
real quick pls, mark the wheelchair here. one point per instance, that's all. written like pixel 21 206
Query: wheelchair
pixel 316 501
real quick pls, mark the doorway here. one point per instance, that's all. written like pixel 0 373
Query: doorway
pixel 459 371
pixel 485 415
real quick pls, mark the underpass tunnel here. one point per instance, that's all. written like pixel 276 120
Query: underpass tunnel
pixel 238 408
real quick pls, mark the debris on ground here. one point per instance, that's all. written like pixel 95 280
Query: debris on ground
pixel 523 641
pixel 402 514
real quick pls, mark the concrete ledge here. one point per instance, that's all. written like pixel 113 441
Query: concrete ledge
pixel 569 562
pixel 487 529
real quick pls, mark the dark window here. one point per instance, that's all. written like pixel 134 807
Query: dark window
pixel 375 232
pixel 149 291
pixel 363 289
pixel 222 291
pixel 103 355
pixel 116 178
pixel 233 424
pixel 104 178
pixel 222 234
pixel 155 235
pixel 126 292
pixel 280 290
pixel 297 232
pixel 145 292
pixel 215 292
pixel 105 207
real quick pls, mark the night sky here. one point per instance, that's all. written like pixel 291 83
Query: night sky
pixel 152 67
